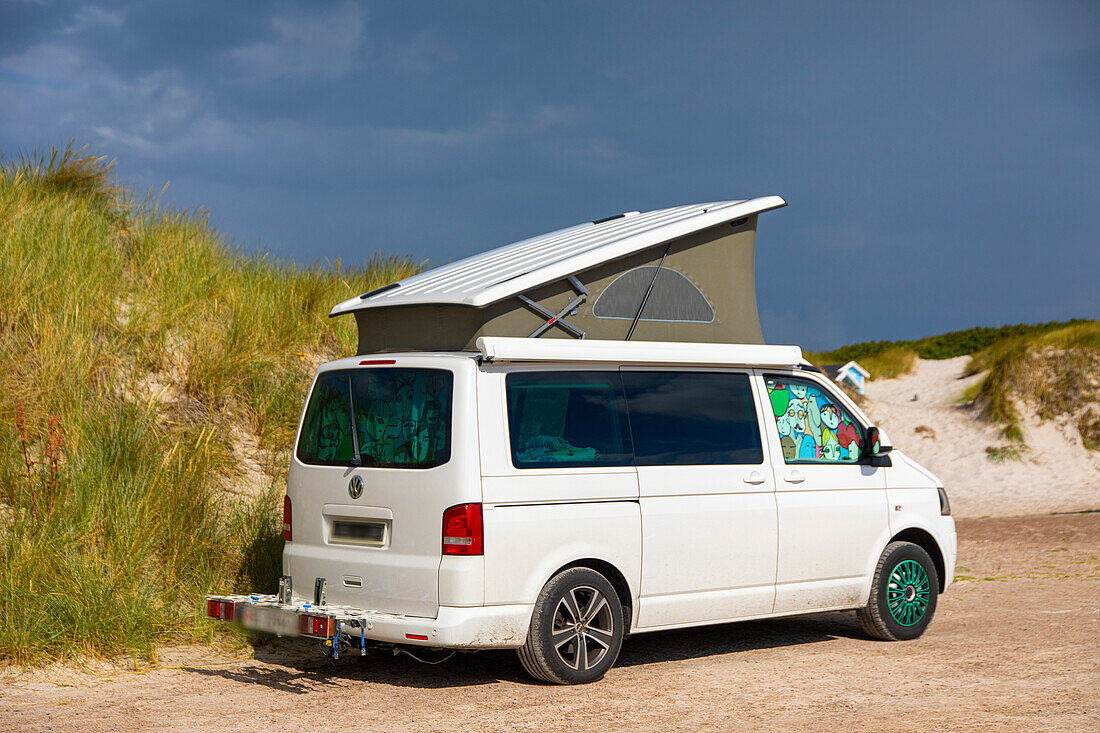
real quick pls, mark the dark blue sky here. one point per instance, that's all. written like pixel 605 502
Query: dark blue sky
pixel 941 160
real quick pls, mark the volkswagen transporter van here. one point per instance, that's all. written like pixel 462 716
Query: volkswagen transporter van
pixel 554 492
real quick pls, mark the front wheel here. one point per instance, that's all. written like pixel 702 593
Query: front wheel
pixel 576 629
pixel 903 594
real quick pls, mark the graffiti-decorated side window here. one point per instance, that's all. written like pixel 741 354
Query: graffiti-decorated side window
pixel 403 416
pixel 813 426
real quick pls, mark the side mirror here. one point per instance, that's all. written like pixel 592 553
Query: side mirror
pixel 874 443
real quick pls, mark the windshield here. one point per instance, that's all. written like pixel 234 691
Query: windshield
pixel 403 416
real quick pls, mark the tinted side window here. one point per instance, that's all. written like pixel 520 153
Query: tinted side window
pixel 692 418
pixel 558 419
pixel 813 427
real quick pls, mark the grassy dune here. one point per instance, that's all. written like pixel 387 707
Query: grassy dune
pixel 1057 373
pixel 1049 368
pixel 151 380
pixel 888 359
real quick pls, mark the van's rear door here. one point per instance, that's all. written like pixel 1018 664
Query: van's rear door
pixel 367 507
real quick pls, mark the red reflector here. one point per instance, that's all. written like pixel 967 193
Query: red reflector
pixel 221 610
pixel 287 519
pixel 463 533
pixel 420 637
pixel 377 362
pixel 311 625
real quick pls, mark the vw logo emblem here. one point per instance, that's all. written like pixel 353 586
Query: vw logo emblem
pixel 355 487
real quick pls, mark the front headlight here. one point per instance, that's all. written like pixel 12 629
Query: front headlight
pixel 945 504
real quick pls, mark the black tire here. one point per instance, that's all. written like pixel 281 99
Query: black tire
pixel 575 637
pixel 903 598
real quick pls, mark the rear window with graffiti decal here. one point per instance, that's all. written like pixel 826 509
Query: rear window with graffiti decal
pixel 813 427
pixel 403 415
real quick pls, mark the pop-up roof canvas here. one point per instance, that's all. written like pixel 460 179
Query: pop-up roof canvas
pixel 680 274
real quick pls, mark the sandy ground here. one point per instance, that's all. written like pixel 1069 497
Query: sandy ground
pixel 1014 646
pixel 1054 474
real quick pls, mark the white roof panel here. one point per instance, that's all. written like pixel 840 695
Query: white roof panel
pixel 516 268
pixel 506 348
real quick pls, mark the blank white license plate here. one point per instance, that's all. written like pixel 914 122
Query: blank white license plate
pixel 270 621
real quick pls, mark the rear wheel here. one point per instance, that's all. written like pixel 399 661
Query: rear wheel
pixel 576 629
pixel 903 594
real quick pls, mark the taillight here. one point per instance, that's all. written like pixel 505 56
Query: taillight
pixel 311 625
pixel 286 519
pixel 221 610
pixel 462 530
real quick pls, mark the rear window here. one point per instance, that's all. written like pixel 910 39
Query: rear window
pixel 403 418
pixel 692 419
pixel 558 419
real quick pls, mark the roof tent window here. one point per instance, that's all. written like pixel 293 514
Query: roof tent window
pixel 673 298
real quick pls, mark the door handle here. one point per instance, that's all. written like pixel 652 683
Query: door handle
pixel 794 477
pixel 755 477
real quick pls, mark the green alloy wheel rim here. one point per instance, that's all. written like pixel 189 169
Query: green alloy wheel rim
pixel 908 593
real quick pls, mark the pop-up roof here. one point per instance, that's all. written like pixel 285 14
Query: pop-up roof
pixel 679 274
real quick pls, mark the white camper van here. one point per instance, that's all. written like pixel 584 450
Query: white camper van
pixel 553 493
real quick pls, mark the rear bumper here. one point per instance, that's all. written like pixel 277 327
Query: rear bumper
pixel 482 627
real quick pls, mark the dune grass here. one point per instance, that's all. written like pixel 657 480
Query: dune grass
pixel 886 364
pixel 1055 371
pixel 890 363
pixel 941 346
pixel 888 359
pixel 138 348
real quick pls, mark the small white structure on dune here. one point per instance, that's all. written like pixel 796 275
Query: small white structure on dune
pixel 851 374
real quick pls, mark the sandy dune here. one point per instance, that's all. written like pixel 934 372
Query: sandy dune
pixel 1054 474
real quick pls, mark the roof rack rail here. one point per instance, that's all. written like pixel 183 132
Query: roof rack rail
pixel 379 291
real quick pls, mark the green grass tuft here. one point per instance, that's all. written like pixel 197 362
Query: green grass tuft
pixel 886 364
pixel 894 362
pixel 142 358
pixel 69 171
pixel 1000 454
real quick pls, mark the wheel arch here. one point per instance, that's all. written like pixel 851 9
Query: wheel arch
pixel 614 576
pixel 927 542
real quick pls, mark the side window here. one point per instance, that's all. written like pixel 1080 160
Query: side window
pixel 813 426
pixel 558 419
pixel 692 418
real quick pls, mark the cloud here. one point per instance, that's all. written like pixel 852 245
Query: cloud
pixel 51 64
pixel 422 54
pixel 67 89
pixel 93 16
pixel 305 45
